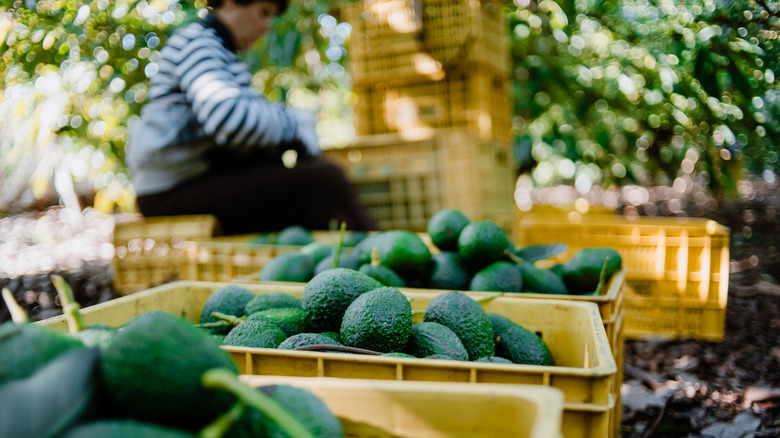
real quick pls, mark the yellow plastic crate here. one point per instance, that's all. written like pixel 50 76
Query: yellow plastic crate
pixel 149 251
pixel 426 41
pixel 376 408
pixel 574 332
pixel 678 268
pixel 474 99
pixel 403 182
pixel 226 258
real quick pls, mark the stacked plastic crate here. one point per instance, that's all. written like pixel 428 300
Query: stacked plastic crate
pixel 433 110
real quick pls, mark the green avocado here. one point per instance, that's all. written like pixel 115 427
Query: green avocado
pixel 541 281
pixel 272 300
pixel 294 235
pixel 493 359
pixel 379 320
pixel 289 266
pixel 124 429
pixel 28 347
pixel 152 372
pixel 327 296
pixel 290 321
pixel 445 227
pixel 464 316
pixel 398 354
pixel 230 300
pixel 318 250
pixel 448 271
pixel 430 338
pixel 400 250
pixel 482 243
pixel 518 344
pixel 255 334
pixel 347 261
pixel 96 335
pixel 499 276
pixel 582 271
pixel 303 339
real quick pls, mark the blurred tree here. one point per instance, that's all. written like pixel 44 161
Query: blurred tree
pixel 647 91
pixel 633 91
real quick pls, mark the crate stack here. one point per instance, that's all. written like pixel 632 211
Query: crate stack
pixel 433 110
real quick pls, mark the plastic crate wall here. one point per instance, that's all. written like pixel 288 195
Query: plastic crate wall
pixel 678 268
pixel 404 183
pixel 150 251
pixel 473 98
pixel 425 38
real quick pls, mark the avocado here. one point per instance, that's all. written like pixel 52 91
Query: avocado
pixel 445 227
pixel 124 429
pixel 264 239
pixel 482 243
pixel 255 334
pixel 289 266
pixel 96 335
pixel 582 271
pixel 272 300
pixel 493 359
pixel 439 357
pixel 383 274
pixel 400 250
pixel 541 281
pixel 318 250
pixel 303 339
pixel 398 354
pixel 518 344
pixel 431 338
pixel 290 321
pixel 306 407
pixel 28 347
pixel 294 235
pixel 448 271
pixel 230 300
pixel 346 261
pixel 464 316
pixel 379 320
pixel 327 296
pixel 57 395
pixel 333 335
pixel 152 372
pixel 352 238
pixel 219 339
pixel 499 276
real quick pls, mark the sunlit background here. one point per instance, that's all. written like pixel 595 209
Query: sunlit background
pixel 656 107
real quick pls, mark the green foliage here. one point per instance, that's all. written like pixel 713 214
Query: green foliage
pixel 635 91
pixel 646 92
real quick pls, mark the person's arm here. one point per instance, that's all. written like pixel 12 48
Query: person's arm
pixel 229 112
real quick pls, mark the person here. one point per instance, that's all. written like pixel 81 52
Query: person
pixel 208 143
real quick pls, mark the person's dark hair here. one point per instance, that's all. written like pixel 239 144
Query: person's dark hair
pixel 281 5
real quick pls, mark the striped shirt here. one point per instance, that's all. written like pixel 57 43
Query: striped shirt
pixel 200 99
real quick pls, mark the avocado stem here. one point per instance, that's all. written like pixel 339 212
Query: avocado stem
pixel 18 315
pixel 69 305
pixel 214 324
pixel 227 381
pixel 602 277
pixel 513 257
pixel 337 256
pixel 375 257
pixel 219 427
pixel 233 320
pixel 487 298
pixel 342 348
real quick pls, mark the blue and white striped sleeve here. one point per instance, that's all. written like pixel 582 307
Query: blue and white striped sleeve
pixel 227 110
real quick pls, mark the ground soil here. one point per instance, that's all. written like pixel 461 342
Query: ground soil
pixel 682 388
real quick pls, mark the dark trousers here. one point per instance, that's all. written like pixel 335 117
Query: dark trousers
pixel 254 196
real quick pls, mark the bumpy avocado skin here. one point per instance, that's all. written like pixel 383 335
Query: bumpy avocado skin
pixel 327 296
pixel 466 318
pixel 379 320
pixel 518 344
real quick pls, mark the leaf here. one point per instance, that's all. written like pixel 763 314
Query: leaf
pixel 53 398
pixel 540 252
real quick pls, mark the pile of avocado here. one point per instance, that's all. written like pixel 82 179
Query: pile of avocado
pixel 156 376
pixel 476 256
pixel 347 311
